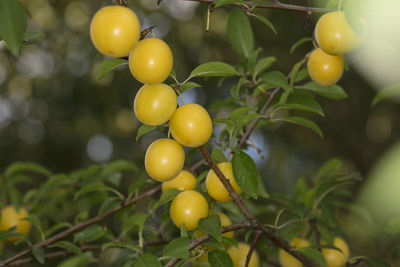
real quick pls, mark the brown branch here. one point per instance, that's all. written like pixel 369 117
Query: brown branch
pixel 80 226
pixel 252 247
pixel 277 5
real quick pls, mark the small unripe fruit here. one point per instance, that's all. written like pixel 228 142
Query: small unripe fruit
pixel 215 188
pixel 325 69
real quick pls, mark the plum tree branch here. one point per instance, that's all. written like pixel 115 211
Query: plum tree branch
pixel 80 226
pixel 252 247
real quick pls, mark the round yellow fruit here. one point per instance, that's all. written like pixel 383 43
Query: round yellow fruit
pixel 11 217
pixel 151 61
pixel 239 255
pixel 155 104
pixel 215 187
pixel 185 180
pixel 164 159
pixel 191 125
pixel 288 260
pixel 114 31
pixel 187 208
pixel 335 258
pixel 325 69
pixel 334 34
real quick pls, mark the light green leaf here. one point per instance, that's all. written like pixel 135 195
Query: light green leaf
pixel 240 33
pixel 166 197
pixel 301 101
pixel 71 247
pixel 300 42
pixel 329 168
pixel 98 186
pixel 219 3
pixel 34 220
pixel 81 260
pixel 133 247
pixel 146 260
pixel 219 258
pixel 304 122
pixel 332 92
pixel 108 65
pixel 118 166
pixel 213 68
pixel 313 254
pixel 276 78
pixel 188 85
pixel 293 73
pixel 38 254
pixel 12 24
pixel 31 38
pixel 390 91
pixel 177 248
pixel 263 64
pixel 212 226
pixel 26 167
pixel 144 129
pixel 218 155
pixel 246 173
pixel 266 22
pixel 91 233
pixel 393 226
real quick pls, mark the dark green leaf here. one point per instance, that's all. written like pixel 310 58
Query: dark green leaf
pixel 146 260
pixel 314 254
pixel 219 258
pixel 214 68
pixel 94 187
pixel 375 262
pixel 143 129
pixel 332 92
pixel 276 78
pixel 295 70
pixel 266 22
pixel 300 42
pixel 38 254
pixel 34 220
pixel 26 167
pixel 218 155
pixel 212 226
pixel 31 38
pixel 263 64
pixel 12 24
pixel 109 203
pixel 229 241
pixel 166 197
pixel 393 226
pixel 390 91
pixel 240 33
pixel 91 233
pixel 133 247
pixel 56 228
pixel 219 3
pixel 305 123
pixel 9 233
pixel 188 85
pixel 81 260
pixel 71 247
pixel 246 173
pixel 108 65
pixel 178 248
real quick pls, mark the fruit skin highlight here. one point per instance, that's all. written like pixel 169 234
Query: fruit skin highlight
pixel 288 260
pixel 164 159
pixel 191 125
pixel 185 180
pixel 187 208
pixel 334 35
pixel 11 217
pixel 215 188
pixel 150 61
pixel 325 69
pixel 155 104
pixel 239 255
pixel 114 31
pixel 335 258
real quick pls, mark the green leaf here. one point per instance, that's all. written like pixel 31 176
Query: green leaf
pixel 19 167
pixel 212 226
pixel 332 92
pixel 81 260
pixel 300 42
pixel 375 262
pixel 313 254
pixel 119 166
pixel 177 248
pixel 263 64
pixel 108 65
pixel 305 123
pixel 146 260
pixel 246 173
pixel 295 70
pixel 219 3
pixel 34 220
pixel 266 21
pixel 218 155
pixel 329 168
pixel 31 38
pixel 166 197
pixel 214 69
pixel 188 85
pixel 108 204
pixel 56 228
pixel 301 101
pixel 276 78
pixel 133 247
pixel 98 186
pixel 144 129
pixel 71 247
pixel 38 254
pixel 219 258
pixel 393 226
pixel 91 233
pixel 240 33
pixel 390 91
pixel 12 24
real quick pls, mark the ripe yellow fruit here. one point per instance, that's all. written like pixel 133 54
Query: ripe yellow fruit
pixel 191 125
pixel 155 104
pixel 164 159
pixel 185 180
pixel 334 34
pixel 288 260
pixel 215 187
pixel 187 208
pixel 325 69
pixel 11 217
pixel 239 255
pixel 151 61
pixel 335 258
pixel 115 30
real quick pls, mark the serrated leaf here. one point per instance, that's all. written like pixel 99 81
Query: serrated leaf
pixel 91 233
pixel 313 254
pixel 108 65
pixel 38 254
pixel 31 38
pixel 219 3
pixel 81 260
pixel 189 85
pixel 212 226
pixel 240 33
pixel 332 92
pixel 144 129
pixel 146 260
pixel 219 258
pixel 71 247
pixel 12 24
pixel 276 78
pixel 266 21
pixel 177 248
pixel 246 173
pixel 26 167
pixel 218 155
pixel 300 42
pixel 214 69
pixel 305 123
pixel 166 196
pixel 390 91
pixel 263 64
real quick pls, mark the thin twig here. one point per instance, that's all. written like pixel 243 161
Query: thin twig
pixel 252 247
